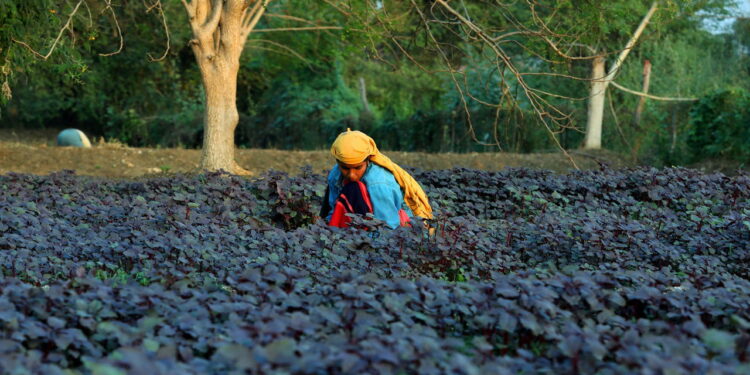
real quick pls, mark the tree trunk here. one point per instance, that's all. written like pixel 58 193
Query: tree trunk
pixel 642 99
pixel 363 94
pixel 220 29
pixel 220 118
pixel 674 131
pixel 600 83
pixel 596 105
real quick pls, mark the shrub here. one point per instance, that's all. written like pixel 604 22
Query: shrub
pixel 720 126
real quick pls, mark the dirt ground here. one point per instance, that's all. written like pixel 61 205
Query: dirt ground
pixel 35 152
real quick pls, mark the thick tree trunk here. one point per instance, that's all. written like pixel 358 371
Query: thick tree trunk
pixel 596 105
pixel 220 29
pixel 220 118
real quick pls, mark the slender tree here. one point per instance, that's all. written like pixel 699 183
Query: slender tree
pixel 600 82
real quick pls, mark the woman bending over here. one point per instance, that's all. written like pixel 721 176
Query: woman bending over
pixel 366 181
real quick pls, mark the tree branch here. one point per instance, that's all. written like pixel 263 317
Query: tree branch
pixel 202 9
pixel 204 21
pixel 291 18
pixel 119 31
pixel 535 101
pixel 57 40
pixel 253 17
pixel 213 20
pixel 290 51
pixel 299 29
pixel 643 94
pixel 631 43
pixel 157 6
pixel 190 9
pixel 617 122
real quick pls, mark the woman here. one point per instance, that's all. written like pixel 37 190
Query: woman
pixel 366 181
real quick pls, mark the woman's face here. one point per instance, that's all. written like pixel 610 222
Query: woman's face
pixel 353 172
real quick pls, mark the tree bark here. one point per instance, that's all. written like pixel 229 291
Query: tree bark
pixel 220 119
pixel 363 94
pixel 596 105
pixel 642 99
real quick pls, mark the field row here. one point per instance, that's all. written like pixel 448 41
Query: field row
pixel 610 272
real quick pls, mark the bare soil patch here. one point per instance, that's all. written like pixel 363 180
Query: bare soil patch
pixel 35 152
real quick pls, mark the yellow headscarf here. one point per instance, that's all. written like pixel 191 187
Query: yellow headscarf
pixel 353 147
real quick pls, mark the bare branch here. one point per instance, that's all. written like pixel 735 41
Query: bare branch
pixel 299 29
pixel 254 16
pixel 563 54
pixel 398 44
pixel 338 8
pixel 631 43
pixel 190 8
pixel 250 13
pixel 119 31
pixel 291 18
pixel 536 102
pixel 157 5
pixel 643 94
pixel 453 78
pixel 510 34
pixel 290 51
pixel 546 39
pixel 588 47
pixel 213 20
pixel 88 10
pixel 57 40
pixel 617 123
pixel 558 95
pixel 559 75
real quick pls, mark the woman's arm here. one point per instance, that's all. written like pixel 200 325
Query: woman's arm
pixel 386 201
pixel 332 192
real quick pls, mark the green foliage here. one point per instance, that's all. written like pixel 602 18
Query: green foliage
pixel 741 33
pixel 395 91
pixel 720 126
pixel 687 61
pixel 182 126
pixel 121 277
pixel 299 89
pixel 302 109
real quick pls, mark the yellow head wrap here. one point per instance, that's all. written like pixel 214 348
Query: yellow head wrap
pixel 353 147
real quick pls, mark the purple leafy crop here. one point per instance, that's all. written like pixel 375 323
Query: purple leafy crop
pixel 613 271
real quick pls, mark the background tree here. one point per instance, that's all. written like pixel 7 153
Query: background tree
pixel 220 30
pixel 513 78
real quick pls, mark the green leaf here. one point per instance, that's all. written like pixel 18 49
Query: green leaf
pixel 102 368
pixel 281 351
pixel 240 355
pixel 151 345
pixel 718 340
pixel 740 322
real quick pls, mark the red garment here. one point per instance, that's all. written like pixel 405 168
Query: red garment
pixel 344 206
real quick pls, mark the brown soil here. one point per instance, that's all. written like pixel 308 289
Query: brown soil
pixel 35 152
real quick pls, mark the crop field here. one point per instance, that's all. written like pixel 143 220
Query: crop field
pixel 625 271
